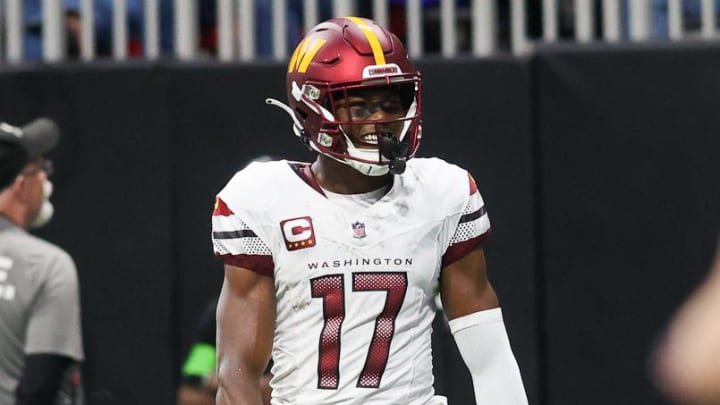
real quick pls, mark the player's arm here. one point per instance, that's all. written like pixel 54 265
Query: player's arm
pixel 52 338
pixel 465 288
pixel 476 323
pixel 688 363
pixel 41 379
pixel 246 323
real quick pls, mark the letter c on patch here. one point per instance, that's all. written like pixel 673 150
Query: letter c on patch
pixel 298 233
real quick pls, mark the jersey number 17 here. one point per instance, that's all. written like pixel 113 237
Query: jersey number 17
pixel 331 288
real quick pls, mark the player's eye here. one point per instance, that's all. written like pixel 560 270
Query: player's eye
pixel 392 107
pixel 360 111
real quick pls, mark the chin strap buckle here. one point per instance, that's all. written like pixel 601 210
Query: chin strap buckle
pixel 394 150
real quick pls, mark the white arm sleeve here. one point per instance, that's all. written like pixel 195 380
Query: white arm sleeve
pixel 485 347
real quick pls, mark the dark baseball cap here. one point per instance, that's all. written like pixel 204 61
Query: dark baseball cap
pixel 20 145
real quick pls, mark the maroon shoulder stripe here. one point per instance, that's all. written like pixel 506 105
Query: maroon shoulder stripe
pixel 459 250
pixel 261 264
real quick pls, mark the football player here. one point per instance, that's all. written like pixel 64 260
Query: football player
pixel 332 266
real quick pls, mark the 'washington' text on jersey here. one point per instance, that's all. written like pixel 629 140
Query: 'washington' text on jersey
pixel 361 262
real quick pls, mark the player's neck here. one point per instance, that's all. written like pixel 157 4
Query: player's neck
pixel 342 179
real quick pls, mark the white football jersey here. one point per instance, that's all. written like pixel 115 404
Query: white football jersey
pixel 354 289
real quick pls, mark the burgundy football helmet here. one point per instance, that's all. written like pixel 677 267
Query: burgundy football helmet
pixel 339 56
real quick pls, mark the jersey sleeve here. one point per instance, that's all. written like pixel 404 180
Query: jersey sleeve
pixel 472 228
pixel 235 242
pixel 54 325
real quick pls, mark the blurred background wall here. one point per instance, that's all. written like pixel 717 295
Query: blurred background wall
pixel 598 163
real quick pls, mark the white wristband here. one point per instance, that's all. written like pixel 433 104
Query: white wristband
pixel 484 345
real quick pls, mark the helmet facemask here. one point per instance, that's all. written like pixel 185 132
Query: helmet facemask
pixel 389 143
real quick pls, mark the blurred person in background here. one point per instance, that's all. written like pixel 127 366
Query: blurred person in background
pixel 687 366
pixel 198 380
pixel 40 333
pixel 32 12
pixel 691 13
pixel 103 25
pixel 33 21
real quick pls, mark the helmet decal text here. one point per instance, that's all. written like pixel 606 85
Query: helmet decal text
pixel 380 70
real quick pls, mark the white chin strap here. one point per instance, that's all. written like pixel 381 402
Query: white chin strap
pixel 368 169
pixel 47 210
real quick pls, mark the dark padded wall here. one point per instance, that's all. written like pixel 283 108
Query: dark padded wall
pixel 112 216
pixel 598 167
pixel 628 149
pixel 477 115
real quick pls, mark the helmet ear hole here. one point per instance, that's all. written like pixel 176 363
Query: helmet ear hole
pixel 334 96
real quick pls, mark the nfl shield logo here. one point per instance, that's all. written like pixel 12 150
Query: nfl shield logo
pixel 358 230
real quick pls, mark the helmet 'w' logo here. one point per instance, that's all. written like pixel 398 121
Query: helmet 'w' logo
pixel 304 54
